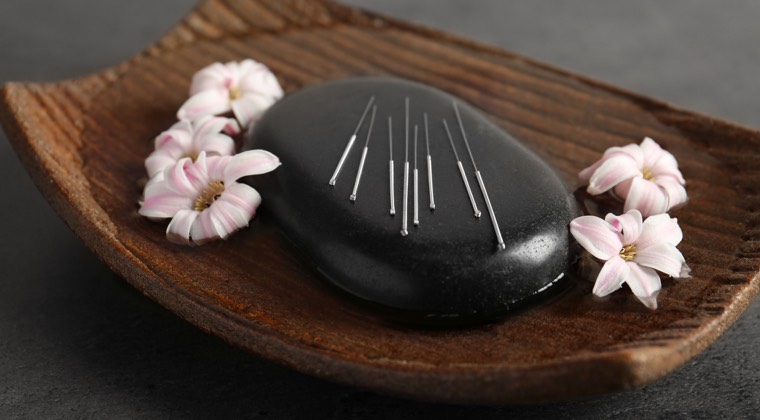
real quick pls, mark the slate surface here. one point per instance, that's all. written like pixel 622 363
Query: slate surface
pixel 77 341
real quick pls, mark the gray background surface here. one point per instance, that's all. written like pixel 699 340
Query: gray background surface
pixel 77 341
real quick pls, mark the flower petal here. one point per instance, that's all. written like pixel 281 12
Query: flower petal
pixel 612 172
pixel 216 144
pixel 586 173
pixel 628 224
pixel 644 283
pixel 243 197
pixel 164 205
pixel 660 228
pixel 157 185
pixel 204 229
pixel 635 152
pixel 622 189
pixel 213 76
pixel 182 178
pixel 215 166
pixel 652 152
pixel 180 134
pixel 611 277
pixel 673 189
pixel 232 127
pixel 227 218
pixel 158 178
pixel 170 146
pixel 178 230
pixel 249 108
pixel 666 165
pixel 252 162
pixel 257 78
pixel 662 257
pixel 248 65
pixel 161 159
pixel 596 236
pixel 207 102
pixel 685 272
pixel 646 197
pixel 212 125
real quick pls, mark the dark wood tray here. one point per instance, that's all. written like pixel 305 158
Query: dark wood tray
pixel 84 141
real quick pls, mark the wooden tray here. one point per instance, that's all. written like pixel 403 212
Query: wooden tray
pixel 84 141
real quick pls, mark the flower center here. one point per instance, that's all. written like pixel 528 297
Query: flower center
pixel 648 175
pixel 207 197
pixel 234 93
pixel 628 252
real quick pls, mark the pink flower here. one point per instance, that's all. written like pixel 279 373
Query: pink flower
pixel 247 89
pixel 632 251
pixel 645 176
pixel 189 139
pixel 203 199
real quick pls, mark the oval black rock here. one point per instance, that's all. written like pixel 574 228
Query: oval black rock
pixel 446 270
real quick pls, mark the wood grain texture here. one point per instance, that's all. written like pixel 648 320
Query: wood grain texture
pixel 84 142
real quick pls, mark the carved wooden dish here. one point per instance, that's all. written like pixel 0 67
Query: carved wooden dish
pixel 84 141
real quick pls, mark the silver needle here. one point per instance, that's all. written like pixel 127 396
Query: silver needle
pixel 352 197
pixel 350 144
pixel 491 213
pixel 404 213
pixel 475 210
pixel 416 218
pixel 390 165
pixel 429 165
pixel 406 123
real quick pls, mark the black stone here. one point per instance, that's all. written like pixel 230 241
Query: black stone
pixel 447 269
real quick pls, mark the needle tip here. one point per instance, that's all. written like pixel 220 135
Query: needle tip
pixel 404 233
pixel 432 206
pixel 477 214
pixel 332 182
pixel 352 197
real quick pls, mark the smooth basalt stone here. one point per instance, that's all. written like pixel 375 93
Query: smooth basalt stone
pixel 446 270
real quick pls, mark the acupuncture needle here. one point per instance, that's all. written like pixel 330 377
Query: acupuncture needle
pixel 390 165
pixel 429 165
pixel 416 218
pixel 405 214
pixel 350 143
pixel 461 171
pixel 491 213
pixel 364 156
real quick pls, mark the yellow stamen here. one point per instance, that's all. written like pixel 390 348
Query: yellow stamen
pixel 628 252
pixel 234 93
pixel 209 195
pixel 647 174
